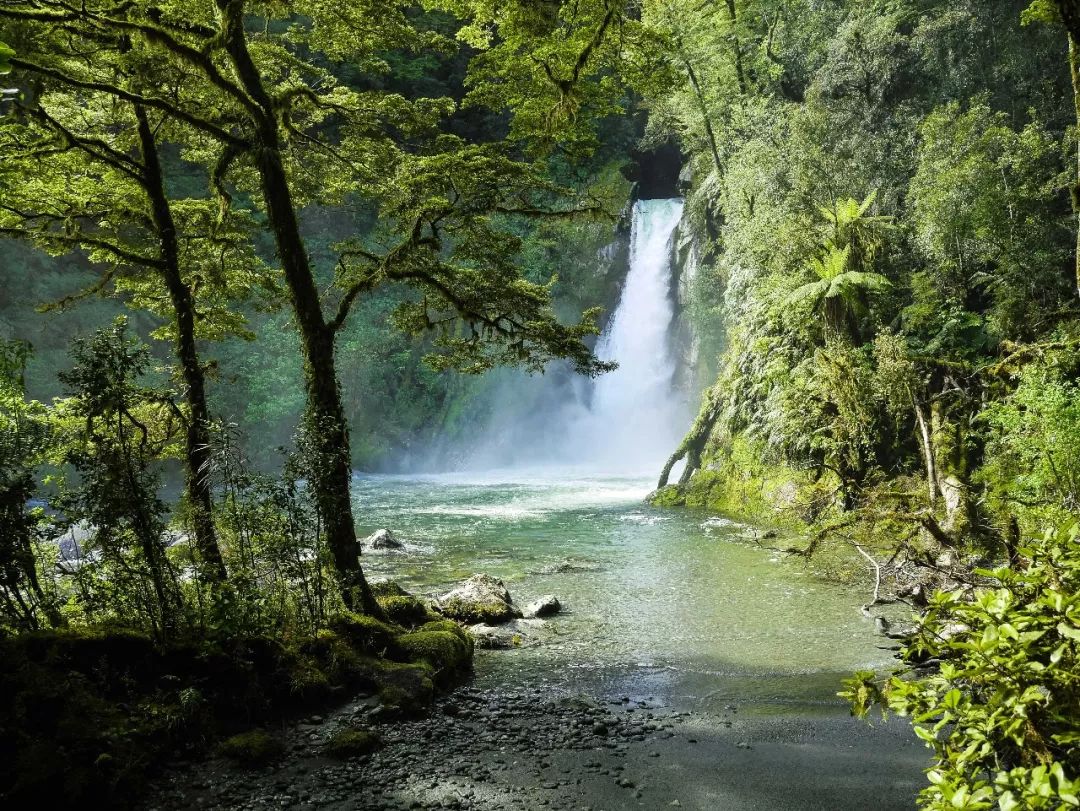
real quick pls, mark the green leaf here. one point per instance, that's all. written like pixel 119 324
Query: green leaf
pixel 6 52
pixel 1068 631
pixel 1042 11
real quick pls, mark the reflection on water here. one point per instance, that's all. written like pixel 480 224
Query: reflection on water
pixel 683 602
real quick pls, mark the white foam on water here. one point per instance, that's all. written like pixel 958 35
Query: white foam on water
pixel 721 523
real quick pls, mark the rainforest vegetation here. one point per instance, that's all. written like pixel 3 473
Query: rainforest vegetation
pixel 250 247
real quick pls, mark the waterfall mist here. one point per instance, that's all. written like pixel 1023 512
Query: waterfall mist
pixel 627 421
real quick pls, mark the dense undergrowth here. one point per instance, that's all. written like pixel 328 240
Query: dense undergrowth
pixel 883 200
pixel 89 714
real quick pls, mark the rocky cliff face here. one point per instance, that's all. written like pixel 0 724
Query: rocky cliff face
pixel 686 261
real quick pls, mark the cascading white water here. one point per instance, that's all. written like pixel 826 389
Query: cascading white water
pixel 627 421
pixel 635 418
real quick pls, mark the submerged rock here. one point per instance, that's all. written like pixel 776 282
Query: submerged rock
pixel 495 637
pixel 382 539
pixel 568 565
pixel 480 599
pixel 545 606
pixel 514 634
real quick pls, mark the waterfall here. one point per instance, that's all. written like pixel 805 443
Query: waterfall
pixel 627 421
pixel 635 417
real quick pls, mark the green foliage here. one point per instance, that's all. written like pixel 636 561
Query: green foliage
pixel 1033 453
pixel 278 560
pixel 1001 710
pixel 878 203
pixel 987 214
pixel 556 67
pixel 120 429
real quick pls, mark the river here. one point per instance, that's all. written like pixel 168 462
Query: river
pixel 673 609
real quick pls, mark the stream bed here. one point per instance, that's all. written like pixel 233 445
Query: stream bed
pixel 673 609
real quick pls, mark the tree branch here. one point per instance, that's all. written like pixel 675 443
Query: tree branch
pixel 153 102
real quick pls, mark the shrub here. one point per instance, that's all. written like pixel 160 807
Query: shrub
pixel 1002 709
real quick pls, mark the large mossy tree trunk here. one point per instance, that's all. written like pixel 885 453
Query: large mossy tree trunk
pixel 1070 16
pixel 1074 73
pixel 197 445
pixel 332 467
pixel 693 445
pixel 948 434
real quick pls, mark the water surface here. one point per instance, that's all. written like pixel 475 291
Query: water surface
pixel 683 604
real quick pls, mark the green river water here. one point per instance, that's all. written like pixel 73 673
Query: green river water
pixel 676 605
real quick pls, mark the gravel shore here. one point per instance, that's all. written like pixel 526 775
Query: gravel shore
pixel 534 748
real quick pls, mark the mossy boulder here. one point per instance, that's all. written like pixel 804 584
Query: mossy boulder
pixel 670 496
pixel 349 743
pixel 364 633
pixel 406 689
pixel 448 652
pixel 254 748
pixel 405 610
pixel 480 599
pixel 387 588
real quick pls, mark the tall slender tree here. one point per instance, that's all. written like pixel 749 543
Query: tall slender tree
pixel 93 180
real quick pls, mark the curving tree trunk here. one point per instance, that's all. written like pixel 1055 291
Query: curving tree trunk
pixel 197 446
pixel 693 444
pixel 1074 73
pixel 326 416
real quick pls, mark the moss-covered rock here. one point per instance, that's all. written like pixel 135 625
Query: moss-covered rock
pixel 446 625
pixel 86 714
pixel 407 689
pixel 670 496
pixel 387 588
pixel 448 652
pixel 404 610
pixel 254 748
pixel 480 599
pixel 735 480
pixel 349 743
pixel 364 633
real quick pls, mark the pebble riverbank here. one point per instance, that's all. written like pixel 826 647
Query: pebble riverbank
pixel 526 748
